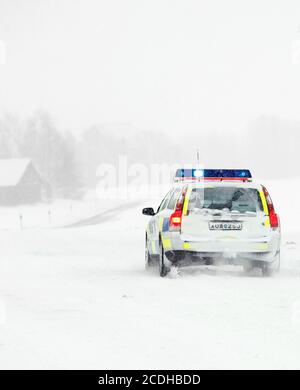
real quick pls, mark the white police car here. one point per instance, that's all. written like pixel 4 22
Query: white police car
pixel 213 216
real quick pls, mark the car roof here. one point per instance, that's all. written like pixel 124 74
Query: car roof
pixel 218 183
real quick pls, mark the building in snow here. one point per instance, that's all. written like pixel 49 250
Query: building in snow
pixel 20 182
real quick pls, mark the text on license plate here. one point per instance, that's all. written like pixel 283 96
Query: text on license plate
pixel 225 225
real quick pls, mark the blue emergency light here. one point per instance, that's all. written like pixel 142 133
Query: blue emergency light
pixel 213 174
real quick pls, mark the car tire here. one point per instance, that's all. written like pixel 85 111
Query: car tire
pixel 148 259
pixel 268 269
pixel 163 269
pixel 248 267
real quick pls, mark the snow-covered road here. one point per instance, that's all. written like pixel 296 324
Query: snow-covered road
pixel 78 297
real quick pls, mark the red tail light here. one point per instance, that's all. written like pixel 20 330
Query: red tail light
pixel 176 216
pixel 175 219
pixel 274 218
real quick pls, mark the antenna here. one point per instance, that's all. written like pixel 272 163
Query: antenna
pixel 198 157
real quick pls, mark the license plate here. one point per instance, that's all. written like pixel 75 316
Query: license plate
pixel 225 225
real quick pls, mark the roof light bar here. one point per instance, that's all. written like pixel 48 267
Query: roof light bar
pixel 212 174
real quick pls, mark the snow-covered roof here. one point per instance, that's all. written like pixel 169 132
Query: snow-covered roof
pixel 12 170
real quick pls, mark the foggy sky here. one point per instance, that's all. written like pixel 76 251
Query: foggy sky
pixel 156 64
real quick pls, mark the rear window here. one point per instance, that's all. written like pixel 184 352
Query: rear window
pixel 234 199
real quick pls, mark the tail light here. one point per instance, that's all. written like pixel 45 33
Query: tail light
pixel 274 218
pixel 176 216
pixel 175 220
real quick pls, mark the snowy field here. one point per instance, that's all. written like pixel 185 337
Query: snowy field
pixel 74 295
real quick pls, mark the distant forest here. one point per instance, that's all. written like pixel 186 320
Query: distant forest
pixel 269 147
pixel 68 163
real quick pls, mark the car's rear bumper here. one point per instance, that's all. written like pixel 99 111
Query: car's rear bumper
pixel 239 250
pixel 208 258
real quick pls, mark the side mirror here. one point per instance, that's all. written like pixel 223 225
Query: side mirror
pixel 148 211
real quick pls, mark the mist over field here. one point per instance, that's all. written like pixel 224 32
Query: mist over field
pixel 69 162
pixel 150 80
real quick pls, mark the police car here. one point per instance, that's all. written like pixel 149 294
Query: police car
pixel 213 216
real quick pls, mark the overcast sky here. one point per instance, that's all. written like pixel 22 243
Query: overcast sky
pixel 156 64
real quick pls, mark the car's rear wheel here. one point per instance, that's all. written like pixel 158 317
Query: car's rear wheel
pixel 163 269
pixel 269 269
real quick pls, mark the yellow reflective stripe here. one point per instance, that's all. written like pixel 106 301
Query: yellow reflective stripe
pixel 263 246
pixel 160 223
pixel 186 201
pixel 265 208
pixel 264 202
pixel 153 246
pixel 186 245
pixel 167 243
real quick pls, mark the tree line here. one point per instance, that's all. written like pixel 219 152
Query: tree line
pixel 69 163
pixel 269 147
